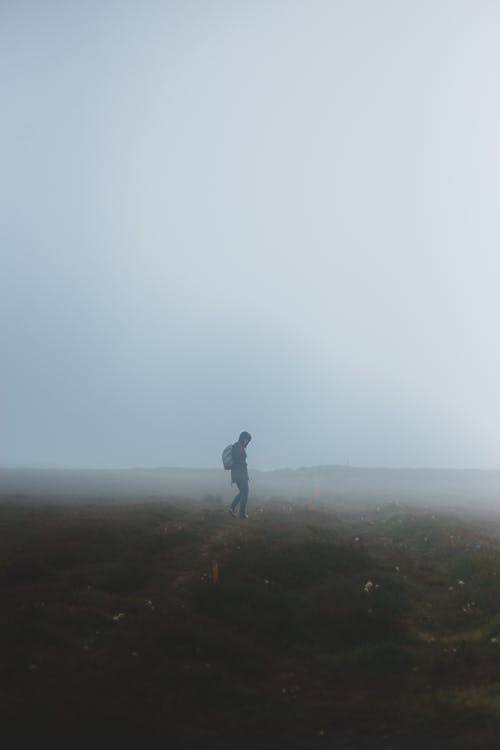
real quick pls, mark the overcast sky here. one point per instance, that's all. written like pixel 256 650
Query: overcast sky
pixel 281 217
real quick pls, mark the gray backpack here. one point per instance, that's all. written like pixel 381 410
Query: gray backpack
pixel 227 457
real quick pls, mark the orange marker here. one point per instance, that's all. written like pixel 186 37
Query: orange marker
pixel 309 504
pixel 215 572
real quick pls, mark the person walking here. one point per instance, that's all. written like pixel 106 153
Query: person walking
pixel 239 475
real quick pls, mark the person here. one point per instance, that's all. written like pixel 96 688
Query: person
pixel 239 475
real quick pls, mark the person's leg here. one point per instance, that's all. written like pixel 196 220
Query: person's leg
pixel 243 498
pixel 237 499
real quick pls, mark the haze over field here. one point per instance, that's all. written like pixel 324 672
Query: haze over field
pixel 277 217
pixel 319 488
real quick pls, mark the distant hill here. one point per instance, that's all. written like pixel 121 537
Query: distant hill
pixel 324 484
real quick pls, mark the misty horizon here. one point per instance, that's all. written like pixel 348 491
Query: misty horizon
pixel 214 467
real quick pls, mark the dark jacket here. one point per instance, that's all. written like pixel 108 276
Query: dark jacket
pixel 239 470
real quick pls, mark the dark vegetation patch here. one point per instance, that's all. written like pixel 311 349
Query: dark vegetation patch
pixel 366 628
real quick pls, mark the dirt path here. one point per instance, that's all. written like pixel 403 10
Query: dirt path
pixel 202 565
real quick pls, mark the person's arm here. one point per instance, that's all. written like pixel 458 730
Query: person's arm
pixel 239 458
pixel 237 454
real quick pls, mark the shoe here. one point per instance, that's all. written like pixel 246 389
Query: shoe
pixel 231 511
pixel 244 515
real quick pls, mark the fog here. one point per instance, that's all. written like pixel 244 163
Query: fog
pixel 279 217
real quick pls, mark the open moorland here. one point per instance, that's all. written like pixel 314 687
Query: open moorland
pixel 169 623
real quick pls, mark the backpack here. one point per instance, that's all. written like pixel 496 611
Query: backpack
pixel 227 457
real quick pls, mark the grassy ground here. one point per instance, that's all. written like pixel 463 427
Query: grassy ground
pixel 375 628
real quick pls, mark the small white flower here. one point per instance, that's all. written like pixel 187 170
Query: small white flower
pixel 119 616
pixel 368 586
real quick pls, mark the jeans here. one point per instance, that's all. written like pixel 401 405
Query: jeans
pixel 242 496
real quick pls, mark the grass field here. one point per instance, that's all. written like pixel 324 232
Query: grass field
pixel 346 628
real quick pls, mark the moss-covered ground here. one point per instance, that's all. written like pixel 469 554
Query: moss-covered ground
pixel 331 628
